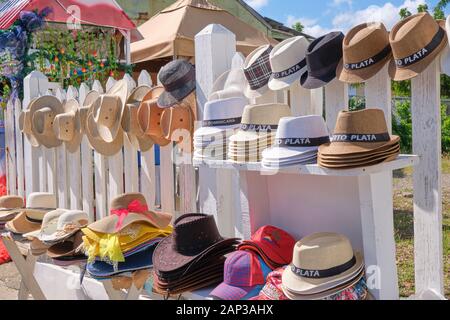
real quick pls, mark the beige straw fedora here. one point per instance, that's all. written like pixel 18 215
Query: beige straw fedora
pixel 43 111
pixel 416 41
pixel 10 206
pixel 109 112
pixel 130 122
pixel 322 261
pixel 67 126
pixel 25 127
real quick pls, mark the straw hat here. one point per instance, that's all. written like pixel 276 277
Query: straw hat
pixel 257 71
pixel 67 126
pixel 109 112
pixel 127 209
pixel 366 52
pixel 25 128
pixel 10 206
pixel 69 247
pixel 229 85
pixel 288 62
pixel 416 41
pixel 43 111
pixel 149 116
pixel 176 122
pixel 321 262
pixel 178 80
pixel 130 123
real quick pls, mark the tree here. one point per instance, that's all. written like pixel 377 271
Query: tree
pixel 422 8
pixel 298 26
pixel 438 11
pixel 404 13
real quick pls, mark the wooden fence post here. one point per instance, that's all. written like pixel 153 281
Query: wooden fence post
pixel 427 136
pixel 19 151
pixel 10 149
pixel 336 100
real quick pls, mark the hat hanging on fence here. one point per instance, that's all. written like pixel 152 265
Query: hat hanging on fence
pixel 229 85
pixel 322 58
pixel 178 80
pixel 67 126
pixel 149 116
pixel 445 56
pixel 43 111
pixel 257 71
pixel 130 123
pixel 127 209
pixel 322 261
pixel 288 62
pixel 366 51
pixel 416 41
pixel 10 206
pixel 25 127
pixel 109 112
pixel 177 124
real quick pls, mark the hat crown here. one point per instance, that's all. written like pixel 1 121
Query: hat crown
pixel 243 269
pixel 413 34
pixel 225 108
pixel 108 111
pixel 288 53
pixel 123 201
pixel 369 121
pixel 72 217
pixel 253 57
pixel 322 251
pixel 11 202
pixel 325 52
pixel 174 70
pixel 268 114
pixel 65 125
pixel 41 200
pixel 302 127
pixel 194 233
pixel 50 220
pixel 365 41
pixel 43 120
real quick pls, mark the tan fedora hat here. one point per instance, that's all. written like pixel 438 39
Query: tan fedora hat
pixel 25 127
pixel 371 157
pixel 43 111
pixel 359 131
pixel 416 41
pixel 360 155
pixel 149 116
pixel 109 112
pixel 134 208
pixel 67 126
pixel 130 123
pixel 10 206
pixel 322 261
pixel 366 51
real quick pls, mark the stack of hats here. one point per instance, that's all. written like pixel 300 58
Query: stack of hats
pixel 123 243
pixel 323 265
pixel 192 257
pixel 10 206
pixel 360 139
pixel 59 236
pixel 257 132
pixel 297 142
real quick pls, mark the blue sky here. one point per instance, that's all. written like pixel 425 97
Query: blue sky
pixel 322 16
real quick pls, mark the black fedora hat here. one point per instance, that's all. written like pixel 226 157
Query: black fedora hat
pixel 323 57
pixel 178 80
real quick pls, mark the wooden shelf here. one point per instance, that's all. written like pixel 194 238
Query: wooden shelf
pixel 403 161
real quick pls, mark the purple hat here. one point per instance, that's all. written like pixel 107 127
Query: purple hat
pixel 245 275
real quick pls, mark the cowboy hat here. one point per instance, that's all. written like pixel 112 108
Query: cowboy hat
pixel 178 80
pixel 416 41
pixel 67 126
pixel 130 123
pixel 257 71
pixel 366 52
pixel 25 127
pixel 71 246
pixel 176 122
pixel 10 206
pixel 229 85
pixel 43 111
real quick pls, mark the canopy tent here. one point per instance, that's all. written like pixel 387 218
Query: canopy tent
pixel 105 13
pixel 172 31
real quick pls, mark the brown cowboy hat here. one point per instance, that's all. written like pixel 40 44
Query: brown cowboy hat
pixel 43 111
pixel 69 247
pixel 130 123
pixel 25 127
pixel 366 52
pixel 416 41
pixel 67 126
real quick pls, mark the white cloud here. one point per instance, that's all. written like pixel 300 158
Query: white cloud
pixel 257 4
pixel 343 21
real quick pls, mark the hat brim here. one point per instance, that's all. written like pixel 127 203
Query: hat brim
pixel 348 148
pixel 98 144
pixel 68 247
pixel 301 285
pixel 225 291
pixel 308 81
pixel 362 75
pixel 169 99
pixel 280 165
pixel 412 71
pixel 47 140
pixel 288 153
pixel 21 225
pixel 369 157
pixel 270 257
pixel 360 155
pixel 342 165
pixel 253 94
pixel 285 83
pixel 214 132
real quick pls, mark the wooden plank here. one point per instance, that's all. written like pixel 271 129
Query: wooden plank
pixel 10 149
pixel 317 101
pixel 300 100
pixel 19 151
pixel 426 119
pixel 167 174
pixel 336 100
pixel 62 190
pixel 379 94
pixel 23 290
pixel 101 182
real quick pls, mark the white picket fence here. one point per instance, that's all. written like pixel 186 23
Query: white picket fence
pixel 358 203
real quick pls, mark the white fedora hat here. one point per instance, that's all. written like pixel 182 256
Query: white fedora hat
pixel 445 56
pixel 230 84
pixel 257 71
pixel 288 61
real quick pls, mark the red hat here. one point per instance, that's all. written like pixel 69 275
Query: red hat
pixel 273 244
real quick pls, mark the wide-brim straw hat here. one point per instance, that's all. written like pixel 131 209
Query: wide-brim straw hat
pixel 67 126
pixel 43 111
pixel 10 206
pixel 321 262
pixel 257 68
pixel 366 50
pixel 130 122
pixel 22 225
pixel 416 41
pixel 25 127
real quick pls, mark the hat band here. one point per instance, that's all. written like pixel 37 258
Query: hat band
pixel 32 220
pixel 259 127
pixel 371 138
pixel 422 53
pixel 320 274
pixel 302 142
pixel 369 62
pixel 222 122
pixel 181 82
pixel 292 70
